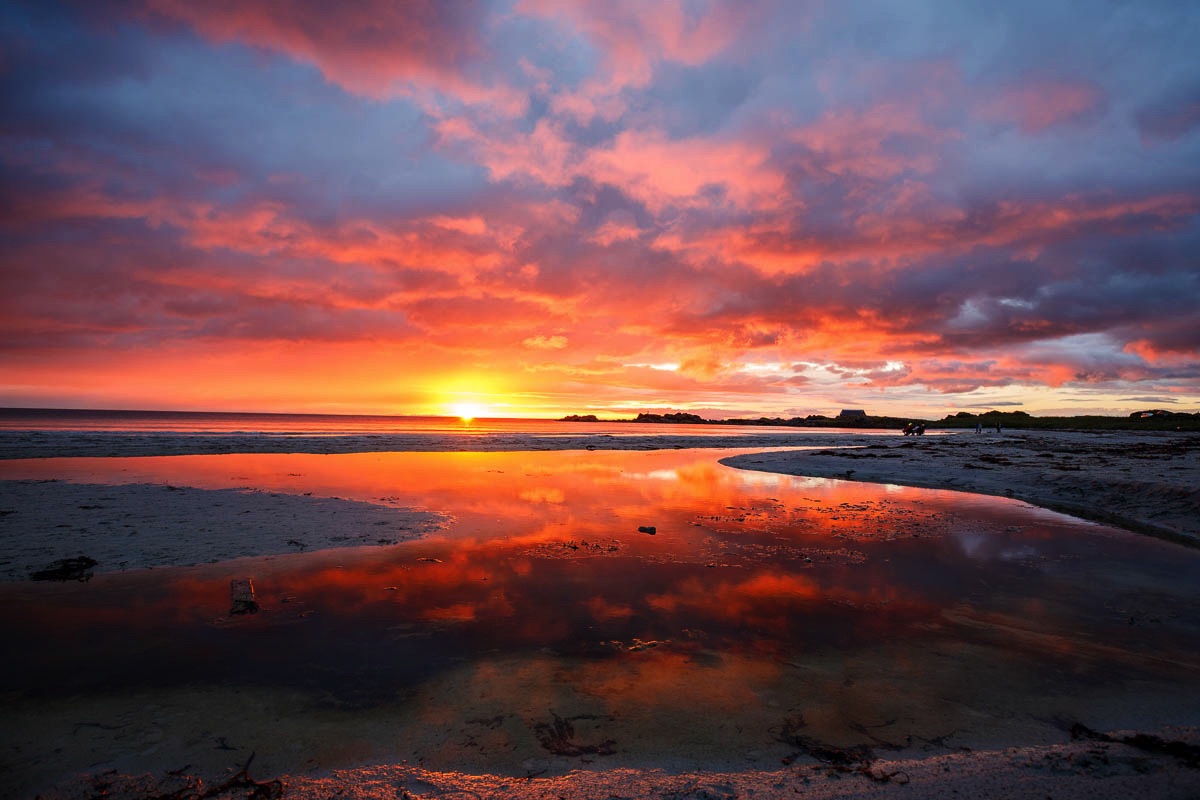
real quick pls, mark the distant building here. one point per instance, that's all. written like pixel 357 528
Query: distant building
pixel 852 413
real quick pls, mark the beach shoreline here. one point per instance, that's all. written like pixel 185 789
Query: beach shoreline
pixel 1143 482
pixel 1097 767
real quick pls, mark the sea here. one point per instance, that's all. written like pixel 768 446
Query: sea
pixel 215 422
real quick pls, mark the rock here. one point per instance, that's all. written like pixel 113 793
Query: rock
pixel 241 595
pixel 650 529
pixel 66 569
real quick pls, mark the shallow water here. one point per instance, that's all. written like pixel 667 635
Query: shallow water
pixel 543 631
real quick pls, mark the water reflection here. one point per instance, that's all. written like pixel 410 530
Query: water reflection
pixel 918 615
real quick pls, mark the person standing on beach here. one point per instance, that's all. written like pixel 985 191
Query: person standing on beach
pixel 978 426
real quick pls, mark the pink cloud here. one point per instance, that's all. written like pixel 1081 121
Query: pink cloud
pixel 645 164
pixel 1037 106
pixel 867 143
pixel 911 223
pixel 619 227
pixel 634 37
pixel 544 154
pixel 377 49
pixel 661 172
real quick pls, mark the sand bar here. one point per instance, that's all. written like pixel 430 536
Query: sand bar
pixel 1144 482
pixel 144 526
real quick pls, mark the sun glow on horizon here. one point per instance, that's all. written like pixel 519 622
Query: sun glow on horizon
pixel 467 411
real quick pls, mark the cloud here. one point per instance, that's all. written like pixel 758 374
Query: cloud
pixel 378 49
pixel 1036 105
pixel 555 342
pixel 635 39
pixel 1170 119
pixel 789 205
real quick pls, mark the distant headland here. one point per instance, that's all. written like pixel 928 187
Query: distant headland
pixel 1151 420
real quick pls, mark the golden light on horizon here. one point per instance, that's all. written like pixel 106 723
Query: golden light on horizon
pixel 467 411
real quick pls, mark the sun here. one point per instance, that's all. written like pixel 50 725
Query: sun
pixel 467 411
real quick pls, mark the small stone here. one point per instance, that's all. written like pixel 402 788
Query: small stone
pixel 650 529
pixel 535 766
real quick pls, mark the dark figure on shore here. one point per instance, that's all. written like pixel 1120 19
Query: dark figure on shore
pixel 997 426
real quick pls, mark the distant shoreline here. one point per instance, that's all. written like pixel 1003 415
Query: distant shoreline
pixel 1155 420
pixel 62 419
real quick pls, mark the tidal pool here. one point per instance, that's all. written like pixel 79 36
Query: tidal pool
pixel 766 617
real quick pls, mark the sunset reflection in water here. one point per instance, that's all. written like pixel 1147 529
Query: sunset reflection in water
pixel 758 597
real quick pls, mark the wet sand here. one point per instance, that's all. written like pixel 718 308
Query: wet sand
pixel 146 526
pixel 1091 769
pixel 1143 482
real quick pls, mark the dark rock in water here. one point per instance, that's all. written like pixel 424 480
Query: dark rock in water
pixel 241 594
pixel 650 529
pixel 67 569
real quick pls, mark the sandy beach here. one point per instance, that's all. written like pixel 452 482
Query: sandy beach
pixel 1146 483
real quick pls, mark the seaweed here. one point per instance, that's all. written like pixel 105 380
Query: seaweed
pixel 1186 754
pixel 558 737
pixel 239 785
pixel 858 759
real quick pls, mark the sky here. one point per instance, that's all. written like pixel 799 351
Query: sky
pixel 534 208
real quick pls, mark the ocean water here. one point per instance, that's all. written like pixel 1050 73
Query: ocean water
pixel 37 419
